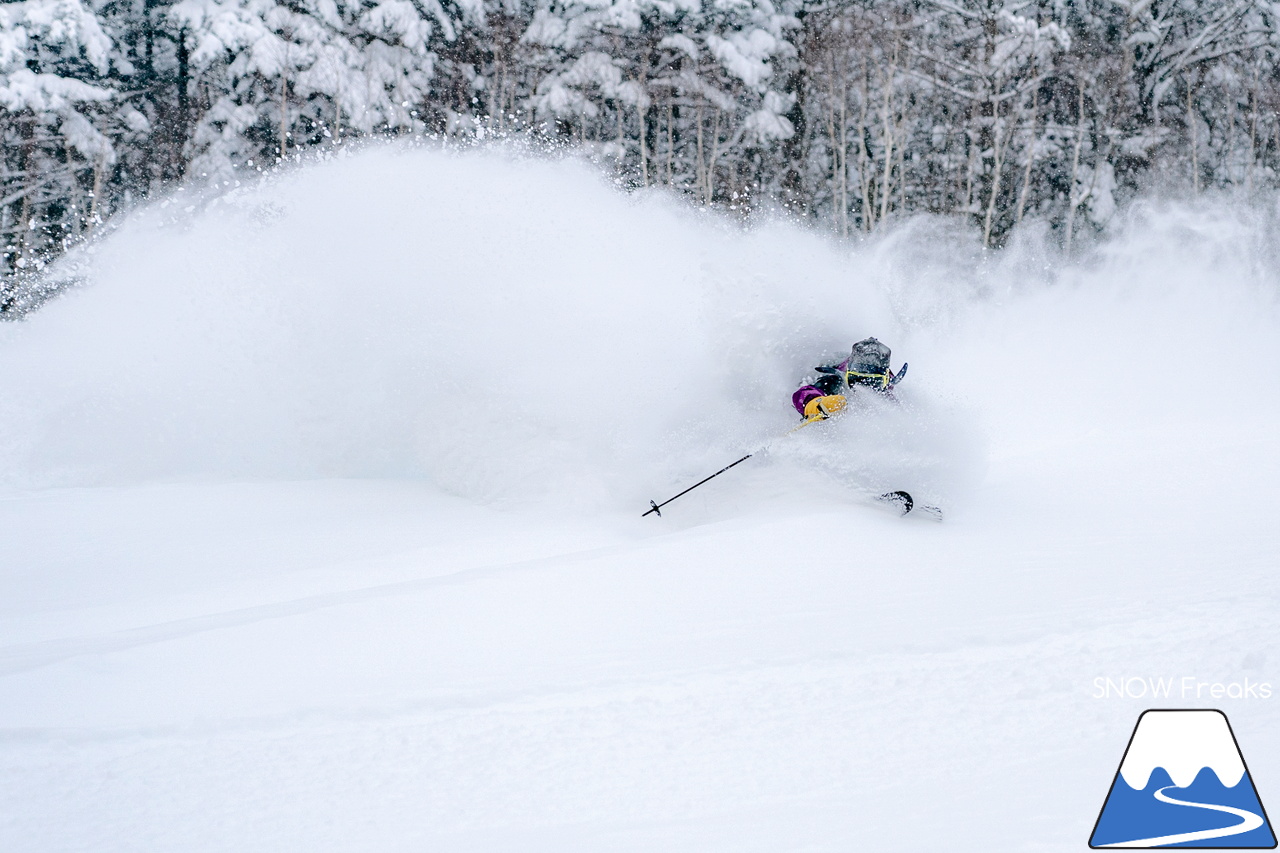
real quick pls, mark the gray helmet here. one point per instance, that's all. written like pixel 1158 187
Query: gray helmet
pixel 869 358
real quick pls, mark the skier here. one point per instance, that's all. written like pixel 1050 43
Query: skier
pixel 866 367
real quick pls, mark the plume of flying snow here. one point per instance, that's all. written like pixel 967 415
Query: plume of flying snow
pixel 518 331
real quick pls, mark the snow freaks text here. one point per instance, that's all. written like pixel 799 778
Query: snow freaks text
pixel 1185 687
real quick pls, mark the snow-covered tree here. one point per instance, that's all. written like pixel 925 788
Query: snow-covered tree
pixel 677 93
pixel 849 112
pixel 56 119
pixel 279 76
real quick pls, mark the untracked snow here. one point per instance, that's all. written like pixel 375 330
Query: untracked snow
pixel 321 508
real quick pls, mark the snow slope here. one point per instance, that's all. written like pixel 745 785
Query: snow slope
pixel 321 508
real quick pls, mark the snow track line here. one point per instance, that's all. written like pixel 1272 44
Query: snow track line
pixel 27 656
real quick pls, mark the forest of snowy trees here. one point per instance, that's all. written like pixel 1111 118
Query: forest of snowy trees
pixel 845 112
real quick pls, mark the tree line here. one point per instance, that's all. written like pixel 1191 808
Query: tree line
pixel 847 113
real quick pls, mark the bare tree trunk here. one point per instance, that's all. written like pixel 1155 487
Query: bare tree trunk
pixel 644 154
pixel 844 152
pixel 711 159
pixel 844 167
pixel 885 191
pixel 969 171
pixel 902 164
pixel 1230 145
pixel 5 221
pixel 337 112
pixel 962 138
pixel 889 136
pixel 75 206
pixel 184 82
pixel 864 156
pixel 98 169
pixel 1253 132
pixel 29 186
pixel 670 140
pixel 284 111
pixel 24 225
pixel 835 158
pixel 496 95
pixel 1001 140
pixel 1072 201
pixel 1195 143
pixel 699 174
pixel 1031 156
pixel 1275 126
pixel 622 147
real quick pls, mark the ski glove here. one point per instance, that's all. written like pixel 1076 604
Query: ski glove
pixel 825 407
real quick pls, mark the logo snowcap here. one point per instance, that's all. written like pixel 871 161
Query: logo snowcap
pixel 1183 743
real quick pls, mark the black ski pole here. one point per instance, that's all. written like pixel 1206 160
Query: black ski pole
pixel 657 507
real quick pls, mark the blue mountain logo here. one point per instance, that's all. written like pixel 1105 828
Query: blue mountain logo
pixel 1183 783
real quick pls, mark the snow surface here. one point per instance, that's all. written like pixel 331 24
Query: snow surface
pixel 321 510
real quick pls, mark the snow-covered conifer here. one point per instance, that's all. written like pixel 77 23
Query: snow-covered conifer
pixel 55 120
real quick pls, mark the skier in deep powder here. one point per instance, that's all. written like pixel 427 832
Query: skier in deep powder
pixel 866 367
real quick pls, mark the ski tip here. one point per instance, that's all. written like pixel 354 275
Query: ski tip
pixel 901 498
pixel 908 504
